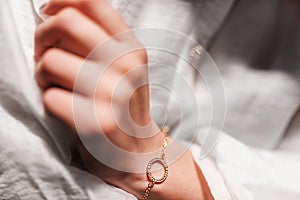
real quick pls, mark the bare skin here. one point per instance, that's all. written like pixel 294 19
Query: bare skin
pixel 75 27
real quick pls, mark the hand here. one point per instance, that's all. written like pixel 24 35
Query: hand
pixel 62 44
pixel 75 28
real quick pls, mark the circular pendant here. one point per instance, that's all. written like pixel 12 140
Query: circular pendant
pixel 149 173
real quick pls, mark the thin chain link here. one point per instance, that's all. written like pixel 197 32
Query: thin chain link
pixel 148 190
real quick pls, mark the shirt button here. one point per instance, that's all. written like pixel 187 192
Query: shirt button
pixel 196 52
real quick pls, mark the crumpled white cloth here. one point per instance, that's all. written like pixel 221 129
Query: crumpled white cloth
pixel 31 166
pixel 234 170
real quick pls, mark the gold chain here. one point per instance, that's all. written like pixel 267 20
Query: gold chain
pixel 161 160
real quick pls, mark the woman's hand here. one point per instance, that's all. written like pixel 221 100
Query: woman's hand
pixel 75 28
pixel 62 45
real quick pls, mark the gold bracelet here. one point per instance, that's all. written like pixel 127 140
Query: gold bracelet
pixel 160 160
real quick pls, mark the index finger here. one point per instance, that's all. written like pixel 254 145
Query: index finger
pixel 98 10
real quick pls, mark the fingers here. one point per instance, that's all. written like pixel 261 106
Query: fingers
pixel 68 107
pixel 74 35
pixel 80 113
pixel 57 67
pixel 70 30
pixel 98 10
pixel 68 71
pixel 59 102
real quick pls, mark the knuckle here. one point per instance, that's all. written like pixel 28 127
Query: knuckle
pixel 142 55
pixel 139 57
pixel 85 4
pixel 66 17
pixel 108 127
pixel 39 32
pixel 45 68
pixel 67 12
pixel 134 60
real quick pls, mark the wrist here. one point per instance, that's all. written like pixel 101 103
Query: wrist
pixel 150 144
pixel 142 184
pixel 185 181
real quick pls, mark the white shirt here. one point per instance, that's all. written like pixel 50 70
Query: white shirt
pixel 233 170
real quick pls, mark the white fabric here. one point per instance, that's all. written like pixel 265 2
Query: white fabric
pixel 31 168
pixel 249 173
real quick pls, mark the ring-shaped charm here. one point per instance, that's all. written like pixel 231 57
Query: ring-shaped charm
pixel 165 166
